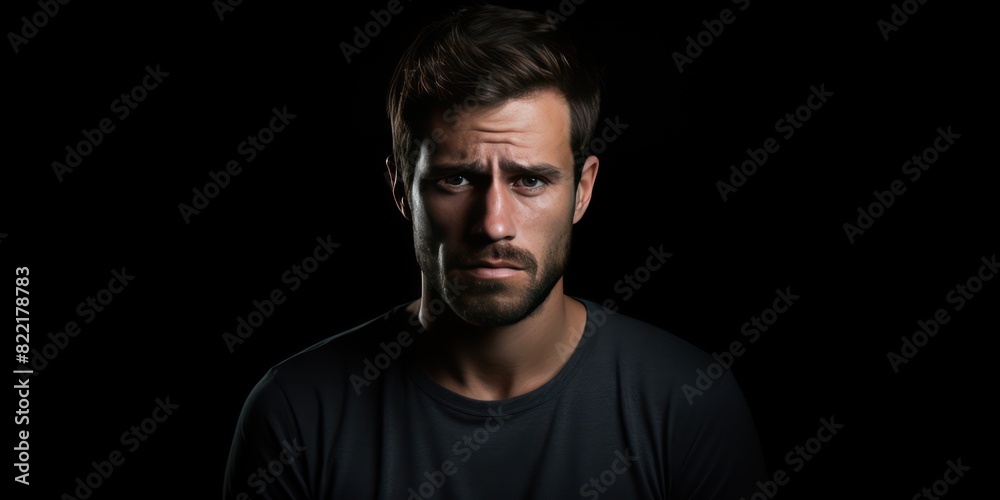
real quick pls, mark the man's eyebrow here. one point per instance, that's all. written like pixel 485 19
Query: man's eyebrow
pixel 507 166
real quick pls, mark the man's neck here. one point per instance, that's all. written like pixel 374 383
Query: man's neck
pixel 498 363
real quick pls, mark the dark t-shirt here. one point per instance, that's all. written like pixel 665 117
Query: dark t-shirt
pixel 354 417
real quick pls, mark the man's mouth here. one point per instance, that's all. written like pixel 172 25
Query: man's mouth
pixel 492 268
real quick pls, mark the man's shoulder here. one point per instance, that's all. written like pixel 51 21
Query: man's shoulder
pixel 340 351
pixel 628 337
pixel 661 365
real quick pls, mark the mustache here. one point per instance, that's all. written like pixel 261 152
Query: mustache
pixel 513 254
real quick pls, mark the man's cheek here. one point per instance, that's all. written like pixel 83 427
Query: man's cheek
pixel 549 207
pixel 447 215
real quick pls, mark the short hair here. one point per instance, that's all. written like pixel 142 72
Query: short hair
pixel 487 55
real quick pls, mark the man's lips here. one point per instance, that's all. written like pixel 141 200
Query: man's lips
pixel 492 269
pixel 496 264
pixel 491 272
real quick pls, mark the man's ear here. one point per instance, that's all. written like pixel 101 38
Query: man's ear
pixel 396 186
pixel 585 188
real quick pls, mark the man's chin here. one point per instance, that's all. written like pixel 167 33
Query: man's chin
pixel 492 309
pixel 493 303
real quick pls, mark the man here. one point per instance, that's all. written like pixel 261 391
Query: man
pixel 494 383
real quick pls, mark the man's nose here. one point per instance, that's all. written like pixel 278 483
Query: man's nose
pixel 495 220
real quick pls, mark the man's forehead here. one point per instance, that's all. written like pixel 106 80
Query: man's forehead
pixel 519 129
pixel 477 153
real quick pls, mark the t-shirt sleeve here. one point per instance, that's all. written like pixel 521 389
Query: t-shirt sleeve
pixel 268 458
pixel 717 448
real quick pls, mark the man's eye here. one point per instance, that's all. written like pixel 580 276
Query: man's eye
pixel 532 182
pixel 455 180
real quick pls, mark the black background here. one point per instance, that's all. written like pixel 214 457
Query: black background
pixel 323 175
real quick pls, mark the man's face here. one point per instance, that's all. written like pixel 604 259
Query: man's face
pixel 493 206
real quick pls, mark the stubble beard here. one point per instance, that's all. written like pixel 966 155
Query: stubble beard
pixel 499 302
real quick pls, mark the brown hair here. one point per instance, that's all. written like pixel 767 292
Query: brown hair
pixel 484 56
